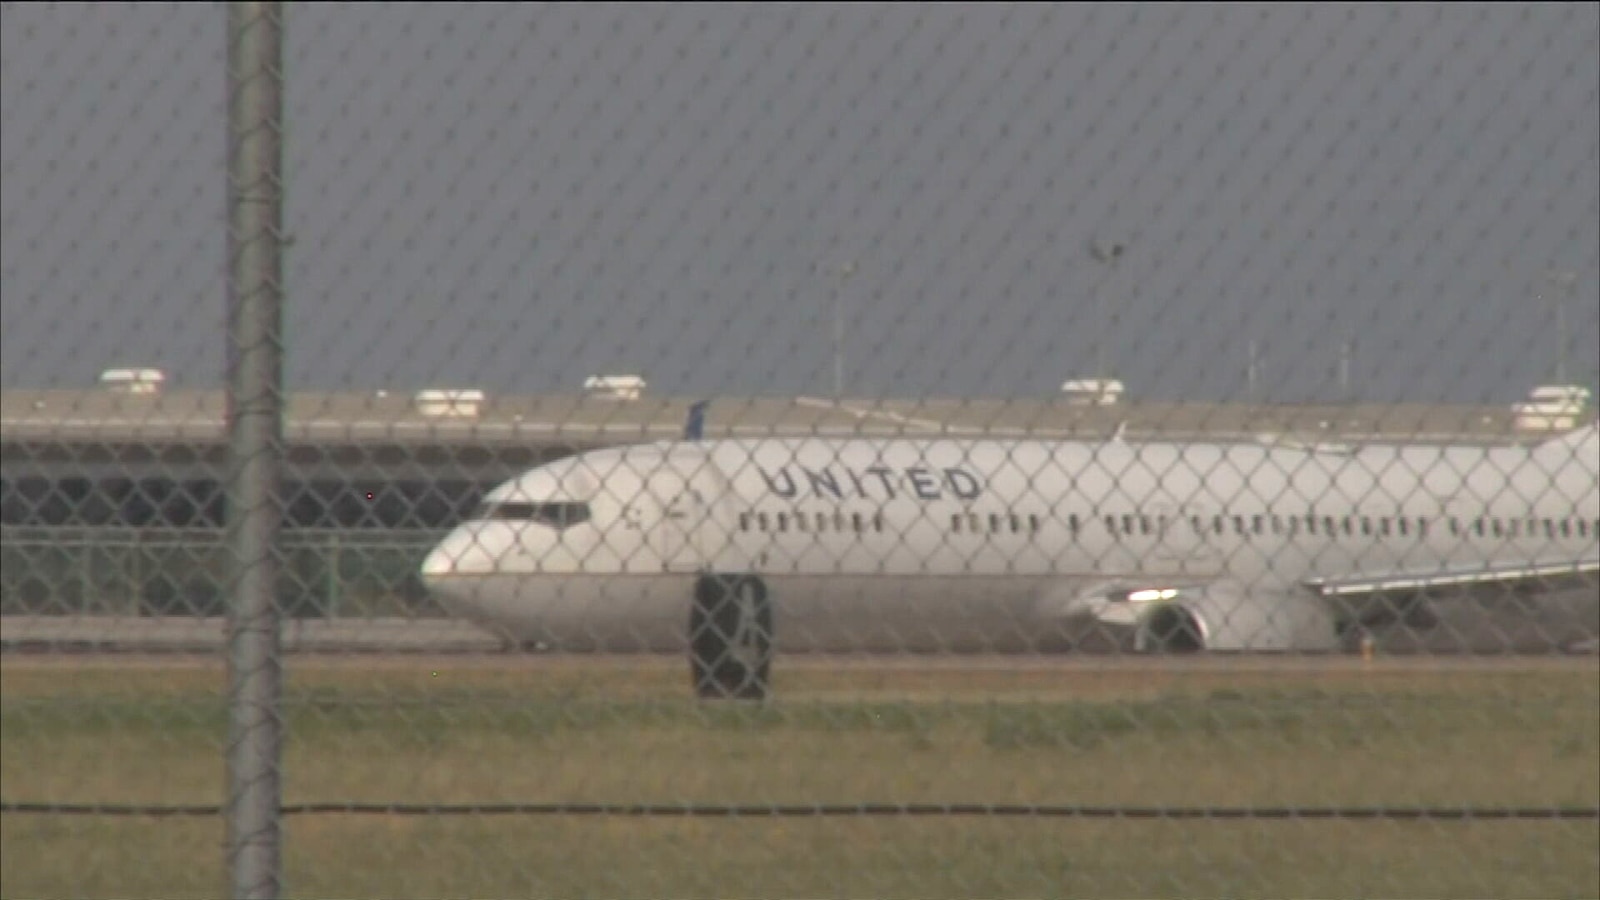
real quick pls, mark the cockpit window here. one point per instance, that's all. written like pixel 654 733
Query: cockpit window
pixel 556 515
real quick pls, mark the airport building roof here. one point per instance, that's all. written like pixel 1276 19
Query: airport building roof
pixel 196 416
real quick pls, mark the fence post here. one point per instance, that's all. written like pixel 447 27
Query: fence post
pixel 332 610
pixel 255 430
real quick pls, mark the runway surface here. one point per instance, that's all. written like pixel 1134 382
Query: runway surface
pixel 50 640
pixel 1065 664
pixel 1564 624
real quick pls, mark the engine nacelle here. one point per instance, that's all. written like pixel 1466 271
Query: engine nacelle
pixel 1219 616
pixel 1172 627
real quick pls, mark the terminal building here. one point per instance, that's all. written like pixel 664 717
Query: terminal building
pixel 112 498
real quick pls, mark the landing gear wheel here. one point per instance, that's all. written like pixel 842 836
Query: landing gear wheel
pixel 730 638
pixel 1173 630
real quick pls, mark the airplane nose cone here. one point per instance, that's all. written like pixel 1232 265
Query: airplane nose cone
pixel 458 554
pixel 437 564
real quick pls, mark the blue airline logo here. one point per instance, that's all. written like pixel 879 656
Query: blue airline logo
pixel 875 483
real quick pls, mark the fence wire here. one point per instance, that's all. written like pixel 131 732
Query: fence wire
pixel 795 449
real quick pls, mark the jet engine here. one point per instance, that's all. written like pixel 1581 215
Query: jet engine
pixel 1213 616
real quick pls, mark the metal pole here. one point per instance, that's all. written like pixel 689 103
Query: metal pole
pixel 1563 283
pixel 333 577
pixel 255 431
pixel 137 587
pixel 1561 337
pixel 1100 328
pixel 839 341
pixel 837 276
pixel 1347 353
pixel 1107 254
pixel 1250 374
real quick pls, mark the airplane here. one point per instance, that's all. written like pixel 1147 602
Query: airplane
pixel 735 549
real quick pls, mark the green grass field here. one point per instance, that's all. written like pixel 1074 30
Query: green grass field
pixel 623 731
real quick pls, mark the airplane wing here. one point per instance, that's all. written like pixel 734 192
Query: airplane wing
pixel 1518 577
pixel 1376 599
pixel 1222 615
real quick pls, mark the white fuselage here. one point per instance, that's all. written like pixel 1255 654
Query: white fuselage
pixel 982 545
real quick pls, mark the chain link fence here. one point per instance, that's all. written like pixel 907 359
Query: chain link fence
pixel 799 449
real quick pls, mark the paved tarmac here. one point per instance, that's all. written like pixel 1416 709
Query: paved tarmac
pixel 363 638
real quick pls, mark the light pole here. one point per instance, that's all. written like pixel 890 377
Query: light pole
pixel 1563 281
pixel 838 275
pixel 1251 370
pixel 1346 351
pixel 1106 254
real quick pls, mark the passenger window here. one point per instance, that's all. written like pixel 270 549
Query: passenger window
pixel 1016 523
pixel 783 521
pixel 1401 524
pixel 761 521
pixel 1033 523
pixel 1383 526
pixel 744 521
pixel 855 519
pixel 955 523
pixel 877 521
